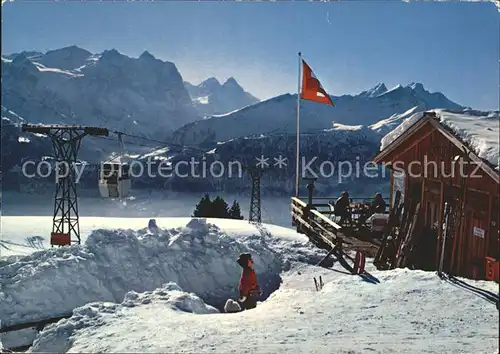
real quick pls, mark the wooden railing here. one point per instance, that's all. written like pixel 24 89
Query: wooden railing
pixel 313 223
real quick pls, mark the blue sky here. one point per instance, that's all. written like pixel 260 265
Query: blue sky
pixel 449 47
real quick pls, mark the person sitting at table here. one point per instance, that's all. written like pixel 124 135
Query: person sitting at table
pixel 378 204
pixel 342 208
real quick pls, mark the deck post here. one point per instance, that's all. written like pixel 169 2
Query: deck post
pixel 309 206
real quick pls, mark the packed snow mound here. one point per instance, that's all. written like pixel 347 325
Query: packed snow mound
pixel 408 311
pixel 477 129
pixel 232 306
pixel 173 295
pixel 170 297
pixel 200 257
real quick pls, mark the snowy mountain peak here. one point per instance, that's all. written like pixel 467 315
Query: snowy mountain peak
pixel 212 98
pixel 147 56
pixel 231 82
pixel 416 86
pixel 210 83
pixel 379 88
pixel 66 58
pixel 71 50
pixel 375 91
pixel 111 54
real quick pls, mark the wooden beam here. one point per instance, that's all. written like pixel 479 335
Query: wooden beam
pixel 391 192
pixel 422 201
pixel 297 209
pixel 440 228
pixel 299 202
pixel 461 237
pixel 319 226
pixel 326 220
pixel 488 232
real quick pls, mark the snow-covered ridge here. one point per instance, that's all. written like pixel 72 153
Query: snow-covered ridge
pixel 278 114
pixel 479 130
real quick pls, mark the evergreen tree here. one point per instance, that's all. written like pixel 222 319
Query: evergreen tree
pixel 235 211
pixel 217 208
pixel 220 209
pixel 203 208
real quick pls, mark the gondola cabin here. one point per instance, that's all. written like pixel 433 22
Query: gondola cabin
pixel 439 158
pixel 114 180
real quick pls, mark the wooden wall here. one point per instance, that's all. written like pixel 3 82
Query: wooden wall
pixel 427 159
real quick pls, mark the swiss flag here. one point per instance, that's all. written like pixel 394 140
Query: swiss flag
pixel 311 87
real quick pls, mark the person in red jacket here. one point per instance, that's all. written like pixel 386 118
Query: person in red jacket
pixel 249 287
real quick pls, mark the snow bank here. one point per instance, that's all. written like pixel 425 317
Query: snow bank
pixel 407 312
pixel 169 297
pixel 199 257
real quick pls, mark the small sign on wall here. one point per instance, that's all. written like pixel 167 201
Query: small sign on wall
pixel 476 231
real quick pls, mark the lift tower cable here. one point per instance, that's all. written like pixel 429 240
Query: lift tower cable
pixel 66 141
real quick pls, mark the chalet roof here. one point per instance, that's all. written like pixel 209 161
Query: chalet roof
pixel 478 132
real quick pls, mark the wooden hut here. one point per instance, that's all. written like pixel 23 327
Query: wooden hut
pixel 439 157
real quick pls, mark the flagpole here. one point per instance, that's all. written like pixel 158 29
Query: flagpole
pixel 297 169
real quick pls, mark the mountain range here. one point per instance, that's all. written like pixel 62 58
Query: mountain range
pixel 141 95
pixel 148 97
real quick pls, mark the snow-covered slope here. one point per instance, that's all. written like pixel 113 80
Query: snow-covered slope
pixel 71 85
pixel 135 290
pixel 279 114
pixel 407 312
pixel 386 125
pixel 480 130
pixel 210 97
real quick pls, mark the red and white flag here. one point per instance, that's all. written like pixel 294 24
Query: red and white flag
pixel 311 87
